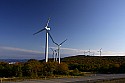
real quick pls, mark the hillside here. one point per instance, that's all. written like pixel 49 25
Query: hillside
pixel 74 66
pixel 92 59
pixel 101 64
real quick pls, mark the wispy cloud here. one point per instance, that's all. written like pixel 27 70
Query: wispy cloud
pixel 72 51
pixel 19 53
pixel 19 49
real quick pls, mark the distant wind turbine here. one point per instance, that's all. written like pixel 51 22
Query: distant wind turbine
pixel 84 52
pixel 100 51
pixel 47 29
pixel 58 46
pixel 93 53
pixel 53 54
pixel 56 54
pixel 89 52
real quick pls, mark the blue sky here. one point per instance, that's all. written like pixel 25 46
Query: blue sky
pixel 87 24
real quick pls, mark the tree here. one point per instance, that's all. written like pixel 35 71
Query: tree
pixel 62 69
pixel 75 72
pixel 49 68
pixel 31 68
pixel 17 69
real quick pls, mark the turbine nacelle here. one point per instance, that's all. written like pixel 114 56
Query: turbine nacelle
pixel 47 28
pixel 100 50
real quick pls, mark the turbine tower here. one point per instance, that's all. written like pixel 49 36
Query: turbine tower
pixel 58 48
pixel 47 29
pixel 84 52
pixel 100 51
pixel 53 53
pixel 89 52
pixel 93 53
pixel 56 54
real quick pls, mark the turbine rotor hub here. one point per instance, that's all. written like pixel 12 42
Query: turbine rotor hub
pixel 47 28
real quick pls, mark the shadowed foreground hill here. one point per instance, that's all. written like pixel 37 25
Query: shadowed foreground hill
pixel 99 64
pixel 74 66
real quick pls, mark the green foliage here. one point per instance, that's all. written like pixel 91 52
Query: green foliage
pixel 62 69
pixel 122 68
pixel 75 66
pixel 17 70
pixel 101 64
pixel 6 70
pixel 75 72
pixel 32 68
pixel 49 68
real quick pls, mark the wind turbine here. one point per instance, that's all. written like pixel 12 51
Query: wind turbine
pixel 47 29
pixel 89 52
pixel 93 53
pixel 56 54
pixel 84 52
pixel 100 51
pixel 58 48
pixel 53 54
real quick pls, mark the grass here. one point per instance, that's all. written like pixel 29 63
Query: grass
pixel 43 77
pixel 17 79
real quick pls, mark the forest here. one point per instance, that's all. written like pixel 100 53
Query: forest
pixel 71 66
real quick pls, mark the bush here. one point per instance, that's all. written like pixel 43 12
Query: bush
pixel 75 72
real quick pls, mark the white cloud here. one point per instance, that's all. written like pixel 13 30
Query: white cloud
pixel 19 53
pixel 72 51
pixel 19 49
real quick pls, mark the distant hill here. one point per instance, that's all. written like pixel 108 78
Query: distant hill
pixel 101 64
pixel 84 59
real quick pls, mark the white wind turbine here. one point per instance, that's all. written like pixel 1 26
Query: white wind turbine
pixel 47 29
pixel 56 54
pixel 53 54
pixel 58 46
pixel 93 53
pixel 100 51
pixel 89 52
pixel 84 52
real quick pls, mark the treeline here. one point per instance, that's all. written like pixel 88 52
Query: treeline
pixel 32 68
pixel 75 66
pixel 96 64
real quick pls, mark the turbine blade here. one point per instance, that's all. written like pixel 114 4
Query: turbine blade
pixel 56 43
pixel 47 22
pixel 39 31
pixel 52 39
pixel 51 49
pixel 62 42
